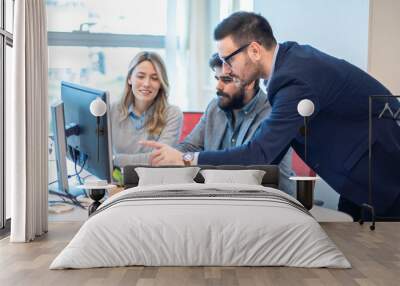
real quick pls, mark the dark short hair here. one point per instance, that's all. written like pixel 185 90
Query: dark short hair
pixel 215 61
pixel 246 27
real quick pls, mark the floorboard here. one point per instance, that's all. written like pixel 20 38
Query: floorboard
pixel 374 255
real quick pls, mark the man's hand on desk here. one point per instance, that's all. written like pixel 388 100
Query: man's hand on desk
pixel 163 154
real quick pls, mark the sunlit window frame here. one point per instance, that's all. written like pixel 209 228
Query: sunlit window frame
pixel 88 39
pixel 6 39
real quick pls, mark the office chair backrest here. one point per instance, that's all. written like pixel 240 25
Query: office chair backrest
pixel 190 120
pixel 299 167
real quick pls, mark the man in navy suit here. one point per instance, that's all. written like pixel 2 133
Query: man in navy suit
pixel 338 139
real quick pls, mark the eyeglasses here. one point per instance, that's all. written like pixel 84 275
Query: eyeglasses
pixel 228 59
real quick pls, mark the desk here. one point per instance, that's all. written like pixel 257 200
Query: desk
pixel 96 193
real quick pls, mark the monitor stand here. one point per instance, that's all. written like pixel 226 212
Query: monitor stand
pixel 70 195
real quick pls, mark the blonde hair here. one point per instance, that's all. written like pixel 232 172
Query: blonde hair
pixel 157 122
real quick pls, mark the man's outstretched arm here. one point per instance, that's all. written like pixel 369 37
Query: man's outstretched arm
pixel 274 136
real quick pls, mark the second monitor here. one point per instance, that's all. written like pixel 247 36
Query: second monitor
pixel 79 135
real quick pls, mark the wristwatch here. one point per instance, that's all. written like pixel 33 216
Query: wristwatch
pixel 188 158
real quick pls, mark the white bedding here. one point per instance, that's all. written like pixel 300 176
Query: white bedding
pixel 185 231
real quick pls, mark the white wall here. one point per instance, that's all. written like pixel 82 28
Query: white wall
pixel 337 27
pixel 384 43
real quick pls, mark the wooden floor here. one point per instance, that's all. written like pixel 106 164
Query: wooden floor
pixel 374 255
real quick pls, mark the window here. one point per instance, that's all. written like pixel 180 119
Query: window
pixel 120 17
pixel 91 42
pixel 6 42
pixel 103 68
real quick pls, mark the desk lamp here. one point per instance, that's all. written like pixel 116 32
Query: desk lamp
pixel 98 108
pixel 305 184
pixel 305 108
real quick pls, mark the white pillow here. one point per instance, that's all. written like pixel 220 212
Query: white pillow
pixel 166 176
pixel 249 177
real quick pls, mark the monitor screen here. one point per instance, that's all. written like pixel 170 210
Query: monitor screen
pixel 92 147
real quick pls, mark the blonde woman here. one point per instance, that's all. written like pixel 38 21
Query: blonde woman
pixel 143 112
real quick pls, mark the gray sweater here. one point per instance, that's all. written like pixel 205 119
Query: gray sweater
pixel 125 136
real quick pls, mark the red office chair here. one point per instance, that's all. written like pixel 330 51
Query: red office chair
pixel 301 168
pixel 190 120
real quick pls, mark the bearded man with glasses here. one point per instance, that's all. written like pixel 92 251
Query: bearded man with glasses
pixel 338 139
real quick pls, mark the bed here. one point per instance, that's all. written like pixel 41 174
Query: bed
pixel 201 224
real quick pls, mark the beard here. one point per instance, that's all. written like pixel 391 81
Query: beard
pixel 229 102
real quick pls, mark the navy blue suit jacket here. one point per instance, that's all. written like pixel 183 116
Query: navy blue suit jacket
pixel 338 129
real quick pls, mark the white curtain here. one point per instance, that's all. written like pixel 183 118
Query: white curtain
pixel 26 130
pixel 187 52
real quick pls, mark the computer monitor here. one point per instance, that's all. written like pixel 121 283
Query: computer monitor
pixel 79 135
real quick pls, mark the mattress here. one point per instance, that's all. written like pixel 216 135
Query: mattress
pixel 201 225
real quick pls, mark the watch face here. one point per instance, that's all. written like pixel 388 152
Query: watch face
pixel 188 156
